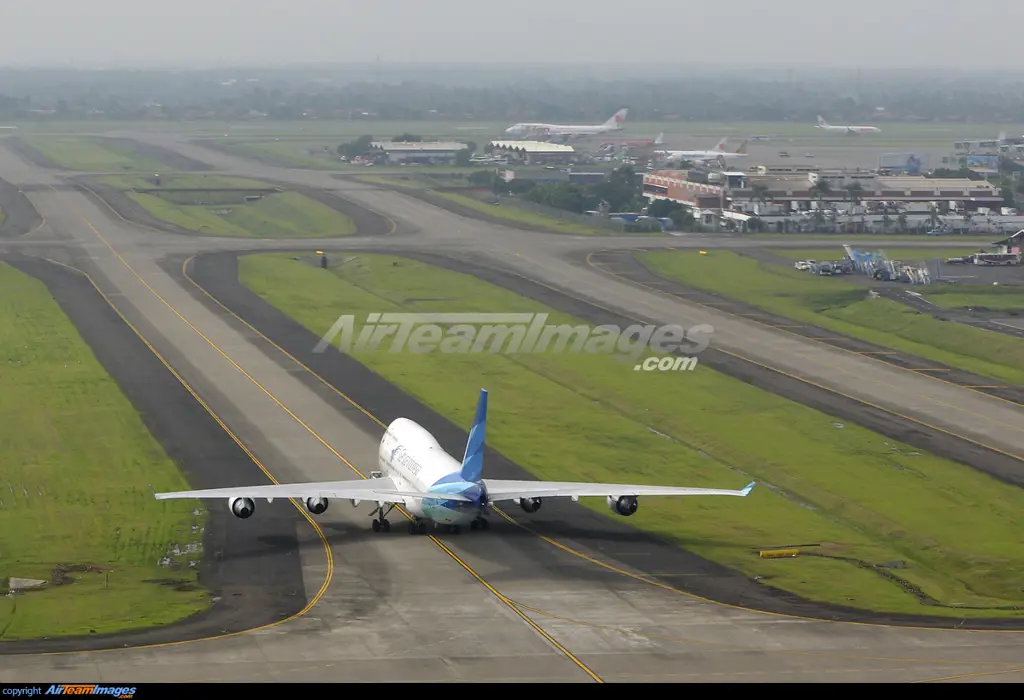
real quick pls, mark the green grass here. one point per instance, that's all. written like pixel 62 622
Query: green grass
pixel 508 213
pixel 961 296
pixel 276 215
pixel 186 181
pixel 75 489
pixel 89 154
pixel 843 307
pixel 589 417
pixel 289 152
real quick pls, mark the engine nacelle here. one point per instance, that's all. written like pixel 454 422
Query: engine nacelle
pixel 623 505
pixel 316 506
pixel 242 507
pixel 530 505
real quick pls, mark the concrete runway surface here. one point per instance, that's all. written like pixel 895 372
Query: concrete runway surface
pixel 480 606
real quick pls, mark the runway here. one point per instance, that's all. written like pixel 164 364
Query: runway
pixel 500 606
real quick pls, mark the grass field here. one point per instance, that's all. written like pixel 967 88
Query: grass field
pixel 75 490
pixel 588 417
pixel 509 213
pixel 303 153
pixel 1005 298
pixel 226 213
pixel 88 154
pixel 842 307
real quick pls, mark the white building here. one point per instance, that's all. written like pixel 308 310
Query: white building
pixel 441 152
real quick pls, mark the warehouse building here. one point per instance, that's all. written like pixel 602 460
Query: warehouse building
pixel 532 152
pixel 431 152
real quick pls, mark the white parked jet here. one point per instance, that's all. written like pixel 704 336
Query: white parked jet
pixel 825 126
pixel 615 123
pixel 433 487
pixel 717 153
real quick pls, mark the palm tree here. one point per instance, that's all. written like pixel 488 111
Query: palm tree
pixel 853 191
pixel 760 193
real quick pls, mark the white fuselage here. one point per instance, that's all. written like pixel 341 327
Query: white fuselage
pixel 850 129
pixel 415 462
pixel 558 130
pixel 699 155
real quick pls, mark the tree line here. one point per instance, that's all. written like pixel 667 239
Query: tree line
pixel 696 97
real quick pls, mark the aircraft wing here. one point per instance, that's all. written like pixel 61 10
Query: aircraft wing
pixel 381 489
pixel 504 490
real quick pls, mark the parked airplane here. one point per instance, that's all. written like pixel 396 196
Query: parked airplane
pixel 825 126
pixel 434 487
pixel 615 123
pixel 717 153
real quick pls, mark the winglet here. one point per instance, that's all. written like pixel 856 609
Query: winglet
pixel 473 460
pixel 748 489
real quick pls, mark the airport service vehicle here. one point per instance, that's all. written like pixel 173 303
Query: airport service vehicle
pixel 615 123
pixel 996 259
pixel 825 126
pixel 434 487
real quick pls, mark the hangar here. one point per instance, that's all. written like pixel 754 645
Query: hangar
pixel 533 151
pixel 437 152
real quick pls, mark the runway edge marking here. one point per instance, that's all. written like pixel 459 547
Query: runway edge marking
pixel 316 527
pixel 866 353
pixel 469 569
pixel 506 601
pixel 552 542
pixel 802 379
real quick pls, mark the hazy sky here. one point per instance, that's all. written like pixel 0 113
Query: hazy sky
pixel 866 33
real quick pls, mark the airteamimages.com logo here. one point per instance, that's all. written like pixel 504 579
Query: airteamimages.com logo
pixel 72 689
pixel 673 346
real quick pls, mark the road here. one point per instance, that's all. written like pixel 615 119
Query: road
pixel 497 608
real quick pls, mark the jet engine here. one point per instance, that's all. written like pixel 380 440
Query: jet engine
pixel 316 506
pixel 242 507
pixel 530 505
pixel 623 505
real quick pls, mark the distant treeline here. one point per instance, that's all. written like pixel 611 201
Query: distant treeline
pixel 360 94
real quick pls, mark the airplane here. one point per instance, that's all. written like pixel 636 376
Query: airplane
pixel 615 123
pixel 717 153
pixel 434 487
pixel 825 126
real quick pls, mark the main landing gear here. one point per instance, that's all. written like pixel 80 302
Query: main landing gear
pixel 479 524
pixel 383 523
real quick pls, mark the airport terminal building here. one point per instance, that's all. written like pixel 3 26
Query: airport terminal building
pixel 433 152
pixel 776 196
pixel 533 152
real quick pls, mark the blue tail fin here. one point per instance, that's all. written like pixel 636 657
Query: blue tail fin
pixel 473 461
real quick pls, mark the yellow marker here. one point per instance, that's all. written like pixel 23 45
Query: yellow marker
pixel 319 252
pixel 703 252
pixel 776 553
